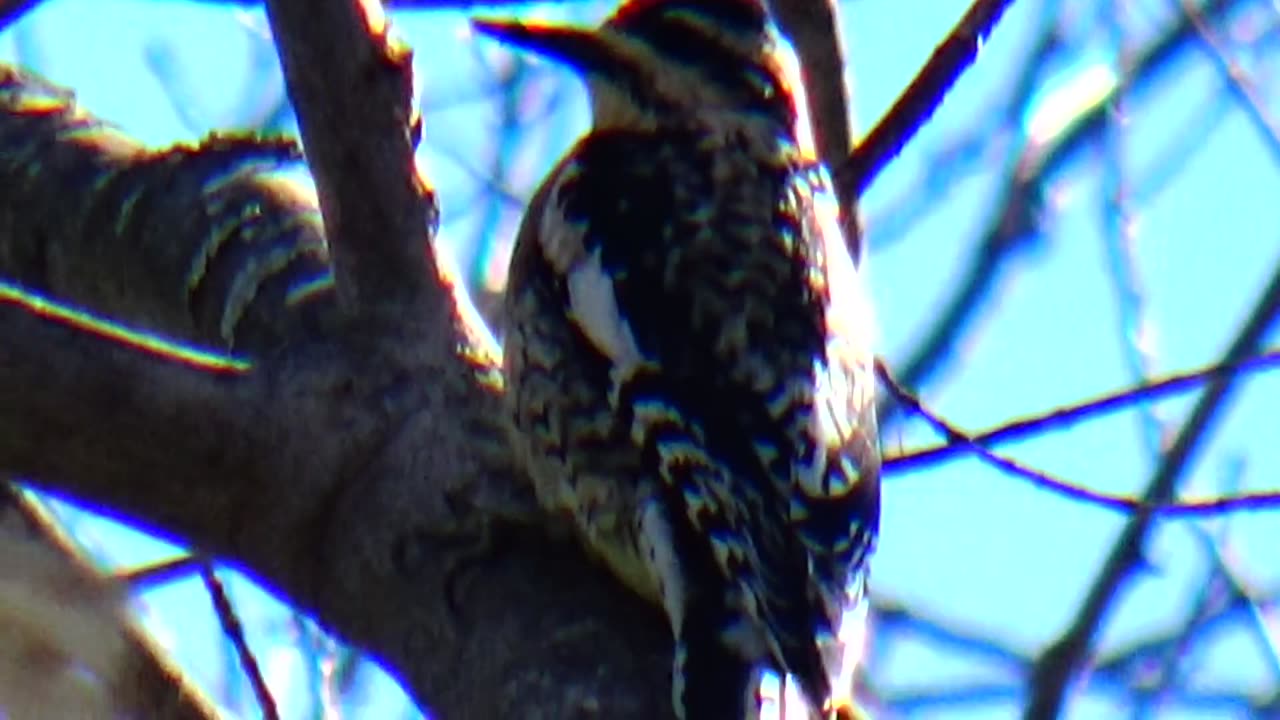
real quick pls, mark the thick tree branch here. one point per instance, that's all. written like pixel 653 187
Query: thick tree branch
pixel 350 468
pixel 352 89
pixel 200 243
pixel 334 481
pixel 348 471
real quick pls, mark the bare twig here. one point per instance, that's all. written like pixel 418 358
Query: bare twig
pixel 1043 480
pixel 1058 665
pixel 1237 80
pixel 1064 417
pixel 971 150
pixel 1014 218
pixel 231 627
pixel 156 574
pixel 1120 231
pixel 923 96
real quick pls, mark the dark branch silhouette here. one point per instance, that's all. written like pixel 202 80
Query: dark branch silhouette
pixel 921 98
pixel 1058 665
pixel 234 630
pixel 1013 222
pixel 1065 417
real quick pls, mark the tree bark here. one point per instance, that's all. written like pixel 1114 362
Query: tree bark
pixel 351 459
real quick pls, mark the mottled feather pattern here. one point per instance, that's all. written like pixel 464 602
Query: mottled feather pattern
pixel 726 302
pixel 688 352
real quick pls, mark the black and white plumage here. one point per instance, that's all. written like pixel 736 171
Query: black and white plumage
pixel 687 351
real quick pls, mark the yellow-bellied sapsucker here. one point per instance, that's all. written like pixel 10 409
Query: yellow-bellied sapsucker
pixel 687 350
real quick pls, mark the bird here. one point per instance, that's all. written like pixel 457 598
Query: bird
pixel 688 350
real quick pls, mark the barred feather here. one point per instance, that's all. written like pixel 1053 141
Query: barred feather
pixel 688 360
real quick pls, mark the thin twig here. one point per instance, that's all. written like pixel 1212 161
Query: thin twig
pixel 922 97
pixel 234 631
pixel 1266 500
pixel 1014 219
pixel 1237 79
pixel 1120 234
pixel 1064 417
pixel 161 573
pixel 1057 666
pixel 971 151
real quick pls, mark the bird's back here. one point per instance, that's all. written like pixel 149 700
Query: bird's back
pixel 687 358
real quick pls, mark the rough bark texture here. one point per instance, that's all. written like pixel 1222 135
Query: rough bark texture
pixel 357 462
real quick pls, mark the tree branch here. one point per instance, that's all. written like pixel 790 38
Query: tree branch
pixel 1074 491
pixel 1014 215
pixel 1058 665
pixel 351 466
pixel 350 470
pixel 335 482
pixel 1065 417
pixel 201 243
pixel 234 631
pixel 352 89
pixel 922 97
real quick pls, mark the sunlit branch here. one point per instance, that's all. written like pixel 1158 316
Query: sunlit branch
pixel 88 322
pixel 813 27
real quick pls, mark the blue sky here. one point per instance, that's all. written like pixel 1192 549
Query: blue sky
pixel 1085 301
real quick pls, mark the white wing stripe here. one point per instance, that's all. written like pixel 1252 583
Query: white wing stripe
pixel 594 307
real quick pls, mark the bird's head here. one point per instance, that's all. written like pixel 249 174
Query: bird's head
pixel 655 62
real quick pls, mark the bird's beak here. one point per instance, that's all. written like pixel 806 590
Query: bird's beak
pixel 578 48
